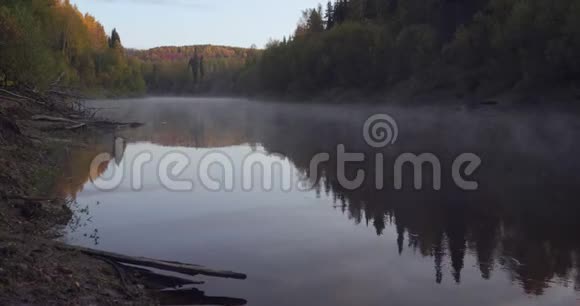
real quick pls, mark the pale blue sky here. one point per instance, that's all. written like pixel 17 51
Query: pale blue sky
pixel 150 23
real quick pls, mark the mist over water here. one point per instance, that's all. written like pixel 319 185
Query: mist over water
pixel 513 241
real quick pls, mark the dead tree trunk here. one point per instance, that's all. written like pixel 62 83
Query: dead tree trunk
pixel 173 266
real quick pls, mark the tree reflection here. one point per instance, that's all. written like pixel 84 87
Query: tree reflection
pixel 523 219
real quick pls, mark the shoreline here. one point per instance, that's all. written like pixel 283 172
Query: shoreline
pixel 36 269
pixel 33 268
pixel 549 97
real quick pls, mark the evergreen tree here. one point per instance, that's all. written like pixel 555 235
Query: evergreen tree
pixel 315 21
pixel 340 11
pixel 201 68
pixel 370 9
pixel 329 15
pixel 115 40
pixel 194 66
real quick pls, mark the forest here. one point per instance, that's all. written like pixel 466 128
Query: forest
pixel 477 47
pixel 204 69
pixel 472 47
pixel 49 43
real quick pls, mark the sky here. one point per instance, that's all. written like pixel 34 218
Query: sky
pixel 144 24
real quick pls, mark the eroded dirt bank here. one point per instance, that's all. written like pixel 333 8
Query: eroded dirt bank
pixel 34 268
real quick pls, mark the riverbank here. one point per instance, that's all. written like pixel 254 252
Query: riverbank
pixel 410 94
pixel 34 269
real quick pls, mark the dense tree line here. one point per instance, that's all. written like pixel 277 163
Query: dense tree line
pixel 478 46
pixel 49 42
pixel 193 69
pixel 475 46
pixel 45 43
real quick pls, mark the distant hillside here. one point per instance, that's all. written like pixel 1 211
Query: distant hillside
pixel 184 53
pixel 169 69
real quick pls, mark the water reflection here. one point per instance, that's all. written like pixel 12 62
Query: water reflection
pixel 522 223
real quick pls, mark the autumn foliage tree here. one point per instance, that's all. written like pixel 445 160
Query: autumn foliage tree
pixel 49 42
pixel 197 69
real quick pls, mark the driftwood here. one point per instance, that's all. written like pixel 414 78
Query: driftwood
pixel 52 119
pixel 14 94
pixel 115 123
pixel 81 123
pixel 76 126
pixel 121 273
pixel 187 269
pixel 157 281
pixel 75 117
pixel 60 101
pixel 22 97
pixel 65 94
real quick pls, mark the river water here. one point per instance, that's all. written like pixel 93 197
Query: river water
pixel 302 236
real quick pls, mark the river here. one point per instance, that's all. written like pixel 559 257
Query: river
pixel 302 236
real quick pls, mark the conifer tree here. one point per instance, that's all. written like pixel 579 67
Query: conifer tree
pixel 114 40
pixel 340 11
pixel 194 66
pixel 201 68
pixel 329 15
pixel 370 9
pixel 315 21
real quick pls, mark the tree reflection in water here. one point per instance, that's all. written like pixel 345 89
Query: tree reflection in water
pixel 524 218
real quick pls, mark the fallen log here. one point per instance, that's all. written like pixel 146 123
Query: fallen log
pixel 63 127
pixel 121 273
pixel 14 94
pixel 115 123
pixel 75 117
pixel 77 123
pixel 21 96
pixel 66 94
pixel 173 266
pixel 156 281
pixel 53 119
pixel 76 126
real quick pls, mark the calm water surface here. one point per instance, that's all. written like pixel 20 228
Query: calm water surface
pixel 515 241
